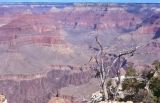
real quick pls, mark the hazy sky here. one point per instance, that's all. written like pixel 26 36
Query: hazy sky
pixel 123 1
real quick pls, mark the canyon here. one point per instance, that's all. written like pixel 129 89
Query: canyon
pixel 45 48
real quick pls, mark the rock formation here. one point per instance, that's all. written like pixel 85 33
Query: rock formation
pixel 44 48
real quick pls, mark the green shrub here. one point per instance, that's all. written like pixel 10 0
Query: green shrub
pixel 156 63
pixel 155 86
pixel 131 71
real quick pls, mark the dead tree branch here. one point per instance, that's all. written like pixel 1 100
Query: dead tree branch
pixel 103 69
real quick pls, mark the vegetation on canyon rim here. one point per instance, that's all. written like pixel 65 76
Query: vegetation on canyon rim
pixel 147 91
pixel 137 87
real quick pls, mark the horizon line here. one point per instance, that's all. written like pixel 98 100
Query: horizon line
pixel 79 1
pixel 85 2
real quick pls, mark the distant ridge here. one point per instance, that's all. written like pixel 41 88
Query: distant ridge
pixel 34 3
pixel 65 3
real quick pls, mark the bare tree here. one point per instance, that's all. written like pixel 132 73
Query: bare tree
pixel 103 68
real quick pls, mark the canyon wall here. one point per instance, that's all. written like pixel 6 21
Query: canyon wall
pixel 40 89
pixel 29 35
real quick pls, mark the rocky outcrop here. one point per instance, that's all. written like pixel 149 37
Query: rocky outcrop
pixel 97 97
pixel 3 99
pixel 63 100
pixel 116 102
pixel 58 100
